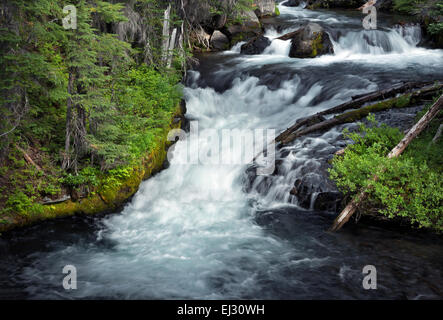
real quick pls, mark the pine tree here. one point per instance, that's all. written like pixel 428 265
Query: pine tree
pixel 91 58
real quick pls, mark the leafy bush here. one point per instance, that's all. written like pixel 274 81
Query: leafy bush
pixel 406 187
pixel 87 176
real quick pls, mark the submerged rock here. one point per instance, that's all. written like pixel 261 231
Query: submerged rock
pixel 316 191
pixel 256 45
pixel 328 201
pixel 309 41
pixel 309 186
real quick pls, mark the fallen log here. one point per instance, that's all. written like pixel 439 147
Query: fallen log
pixel 48 201
pixel 350 209
pixel 351 116
pixel 356 102
pixel 28 158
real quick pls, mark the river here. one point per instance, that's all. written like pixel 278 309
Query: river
pixel 198 231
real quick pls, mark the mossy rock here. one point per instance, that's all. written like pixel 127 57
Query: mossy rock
pixel 309 41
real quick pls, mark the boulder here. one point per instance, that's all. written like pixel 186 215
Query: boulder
pixel 256 45
pixel 219 41
pixel 309 41
pixel 219 21
pixel 249 27
pixel 264 8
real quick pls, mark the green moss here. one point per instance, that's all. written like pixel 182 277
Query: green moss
pixel 277 11
pixel 238 38
pixel 317 45
pixel 399 102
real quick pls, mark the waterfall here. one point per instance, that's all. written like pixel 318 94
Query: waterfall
pixel 400 39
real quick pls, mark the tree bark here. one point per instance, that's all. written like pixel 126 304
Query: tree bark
pixel 350 209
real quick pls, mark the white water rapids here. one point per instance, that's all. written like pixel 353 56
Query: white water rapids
pixel 191 231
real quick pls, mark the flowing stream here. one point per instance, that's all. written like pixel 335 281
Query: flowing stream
pixel 213 231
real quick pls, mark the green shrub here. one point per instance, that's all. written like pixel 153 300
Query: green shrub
pixel 20 203
pixel 406 187
pixel 87 176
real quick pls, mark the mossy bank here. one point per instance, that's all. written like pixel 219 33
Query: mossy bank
pixel 111 191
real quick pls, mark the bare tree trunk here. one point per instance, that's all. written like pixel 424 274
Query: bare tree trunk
pixel 66 156
pixel 350 209
pixel 165 34
pixel 170 52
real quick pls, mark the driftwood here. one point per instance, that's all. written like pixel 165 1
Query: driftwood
pixel 350 209
pixel 28 158
pixel 48 201
pixel 317 121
